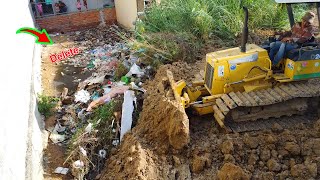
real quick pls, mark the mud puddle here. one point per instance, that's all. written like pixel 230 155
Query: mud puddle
pixel 69 76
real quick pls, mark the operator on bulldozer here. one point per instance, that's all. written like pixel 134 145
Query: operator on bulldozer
pixel 246 89
pixel 300 33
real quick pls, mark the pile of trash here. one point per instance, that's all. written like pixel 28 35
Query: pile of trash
pixel 92 120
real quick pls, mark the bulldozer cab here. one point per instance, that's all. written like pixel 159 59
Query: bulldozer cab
pixel 301 62
pixel 310 49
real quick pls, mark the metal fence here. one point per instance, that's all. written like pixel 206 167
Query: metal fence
pixel 46 8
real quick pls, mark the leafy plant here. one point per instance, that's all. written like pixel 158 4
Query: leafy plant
pixel 46 104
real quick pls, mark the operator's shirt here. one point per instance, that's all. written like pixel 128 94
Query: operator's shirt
pixel 305 33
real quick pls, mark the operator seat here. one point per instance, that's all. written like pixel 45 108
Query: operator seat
pixel 307 51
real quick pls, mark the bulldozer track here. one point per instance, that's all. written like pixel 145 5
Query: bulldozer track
pixel 260 109
pixel 285 122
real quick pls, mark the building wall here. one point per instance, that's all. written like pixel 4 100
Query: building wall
pixel 126 13
pixel 76 21
pixel 21 128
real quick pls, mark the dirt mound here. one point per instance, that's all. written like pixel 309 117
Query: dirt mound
pixel 162 124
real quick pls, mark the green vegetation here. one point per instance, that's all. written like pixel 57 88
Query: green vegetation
pixel 46 104
pixel 220 18
pixel 178 29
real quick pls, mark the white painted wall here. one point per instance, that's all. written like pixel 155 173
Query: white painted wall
pixel 126 12
pixel 20 132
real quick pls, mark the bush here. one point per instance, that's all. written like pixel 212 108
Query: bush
pixel 46 104
pixel 220 18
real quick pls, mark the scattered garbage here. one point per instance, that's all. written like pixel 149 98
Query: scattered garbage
pixel 56 138
pixel 102 153
pixel 104 57
pixel 135 70
pixel 78 164
pixel 61 170
pixel 82 96
pixel 84 152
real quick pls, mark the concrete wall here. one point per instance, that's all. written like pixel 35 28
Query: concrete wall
pixel 126 12
pixel 20 131
pixel 76 21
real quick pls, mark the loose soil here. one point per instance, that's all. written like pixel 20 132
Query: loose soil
pixel 206 152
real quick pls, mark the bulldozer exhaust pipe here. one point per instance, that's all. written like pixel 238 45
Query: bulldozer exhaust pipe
pixel 245 32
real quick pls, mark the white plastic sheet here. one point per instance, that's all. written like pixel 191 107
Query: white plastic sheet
pixel 127 110
pixel 135 69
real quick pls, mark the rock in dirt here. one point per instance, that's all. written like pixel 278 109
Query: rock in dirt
pixel 176 161
pixel 292 148
pixel 228 158
pixel 227 147
pixel 252 142
pixel 299 170
pixel 271 139
pixel 253 158
pixel 304 171
pixel 273 165
pixel 230 171
pixel 313 169
pixel 283 175
pixel 199 162
pixel 183 172
pixel 265 154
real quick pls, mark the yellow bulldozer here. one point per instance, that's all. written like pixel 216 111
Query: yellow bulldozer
pixel 243 90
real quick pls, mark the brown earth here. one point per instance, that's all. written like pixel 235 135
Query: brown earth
pixel 147 152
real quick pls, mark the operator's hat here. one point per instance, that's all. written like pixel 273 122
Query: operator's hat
pixel 309 17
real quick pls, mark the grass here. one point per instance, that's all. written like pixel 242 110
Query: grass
pixel 179 29
pixel 46 104
pixel 205 18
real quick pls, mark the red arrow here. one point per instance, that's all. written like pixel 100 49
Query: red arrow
pixel 42 36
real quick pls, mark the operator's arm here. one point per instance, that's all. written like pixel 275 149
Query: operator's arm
pixel 308 33
pixel 284 34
